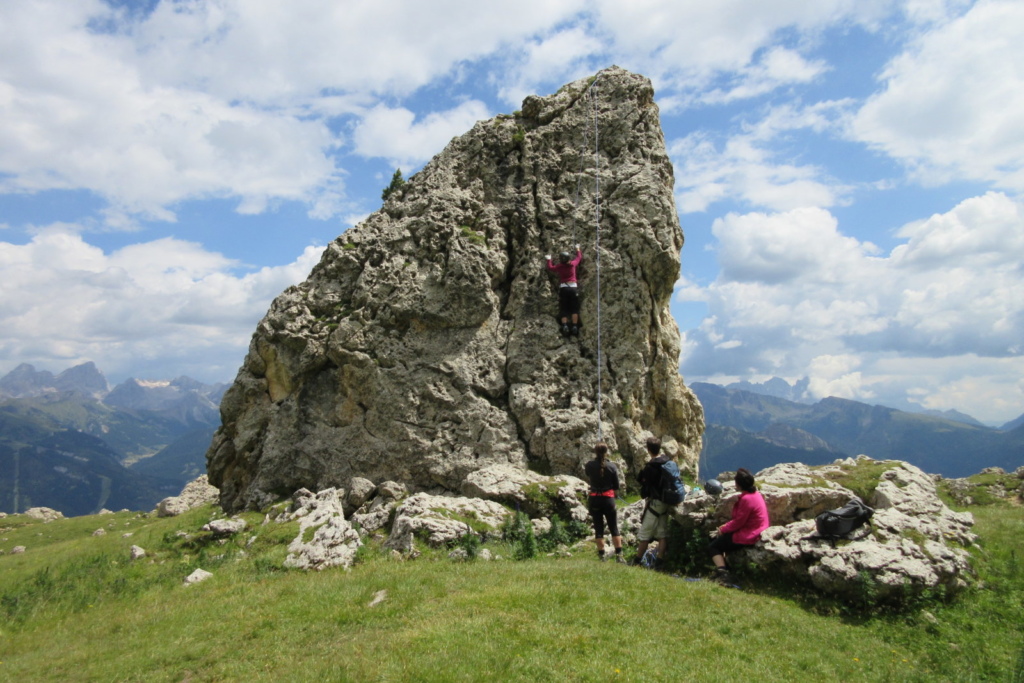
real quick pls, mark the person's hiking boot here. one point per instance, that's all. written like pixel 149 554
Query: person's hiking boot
pixel 565 329
pixel 619 558
pixel 601 555
pixel 723 577
pixel 575 330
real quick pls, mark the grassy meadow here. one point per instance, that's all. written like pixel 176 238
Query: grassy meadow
pixel 75 607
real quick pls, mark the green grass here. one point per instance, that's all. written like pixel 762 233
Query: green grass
pixel 861 478
pixel 78 609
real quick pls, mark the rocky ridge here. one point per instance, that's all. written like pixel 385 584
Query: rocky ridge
pixel 424 346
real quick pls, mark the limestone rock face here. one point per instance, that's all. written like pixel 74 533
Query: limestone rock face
pixel 424 345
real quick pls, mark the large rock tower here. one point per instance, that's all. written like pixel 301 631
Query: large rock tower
pixel 424 346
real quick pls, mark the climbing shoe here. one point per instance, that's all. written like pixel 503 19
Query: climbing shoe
pixel 565 330
pixel 575 330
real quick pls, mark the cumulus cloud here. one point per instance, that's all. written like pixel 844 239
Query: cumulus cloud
pixel 686 45
pixel 225 99
pixel 562 56
pixel 950 104
pixel 395 134
pixel 802 298
pixel 747 167
pixel 267 51
pixel 79 114
pixel 777 67
pixel 168 305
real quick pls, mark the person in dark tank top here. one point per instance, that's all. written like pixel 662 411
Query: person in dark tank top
pixel 604 488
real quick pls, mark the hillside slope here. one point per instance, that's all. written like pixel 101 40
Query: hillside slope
pixel 435 619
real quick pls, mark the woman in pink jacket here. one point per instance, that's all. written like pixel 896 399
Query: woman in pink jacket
pixel 749 519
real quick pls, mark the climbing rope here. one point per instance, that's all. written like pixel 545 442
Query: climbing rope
pixel 597 247
pixel 591 96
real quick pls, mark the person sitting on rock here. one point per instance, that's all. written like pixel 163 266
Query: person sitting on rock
pixel 604 487
pixel 749 519
pixel 568 296
pixel 654 522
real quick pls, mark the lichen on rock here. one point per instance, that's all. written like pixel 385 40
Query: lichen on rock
pixel 424 346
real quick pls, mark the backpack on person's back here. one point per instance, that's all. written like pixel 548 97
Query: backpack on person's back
pixel 661 481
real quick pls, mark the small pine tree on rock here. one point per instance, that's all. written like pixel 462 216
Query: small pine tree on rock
pixel 397 183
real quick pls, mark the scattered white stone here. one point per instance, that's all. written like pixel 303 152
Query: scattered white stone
pixel 196 493
pixel 225 527
pixel 100 532
pixel 509 484
pixel 105 511
pixel 541 525
pixel 485 555
pixel 197 576
pixel 378 597
pixel 44 514
pixel 439 519
pixel 393 490
pixel 334 542
pixel 127 534
pixel 136 552
pixel 17 550
pixel 359 491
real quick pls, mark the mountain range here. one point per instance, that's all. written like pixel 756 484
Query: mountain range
pixel 72 443
pixel 754 429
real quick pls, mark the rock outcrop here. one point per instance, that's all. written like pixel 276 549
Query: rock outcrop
pixel 915 542
pixel 197 492
pixel 424 346
pixel 326 538
pixel 44 514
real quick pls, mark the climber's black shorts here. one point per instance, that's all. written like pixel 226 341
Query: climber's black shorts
pixel 568 301
pixel 602 508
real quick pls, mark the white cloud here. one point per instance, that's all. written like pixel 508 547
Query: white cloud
pixel 951 103
pixel 222 99
pixel 777 67
pixel 396 135
pixel 166 304
pixel 746 167
pixel 78 115
pixel 561 57
pixel 799 294
pixel 685 45
pixel 268 51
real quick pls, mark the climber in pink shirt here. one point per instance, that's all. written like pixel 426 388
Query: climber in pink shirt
pixel 568 297
pixel 749 519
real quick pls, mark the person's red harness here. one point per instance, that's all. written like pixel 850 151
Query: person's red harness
pixel 610 493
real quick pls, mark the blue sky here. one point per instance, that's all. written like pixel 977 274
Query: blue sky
pixel 848 172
